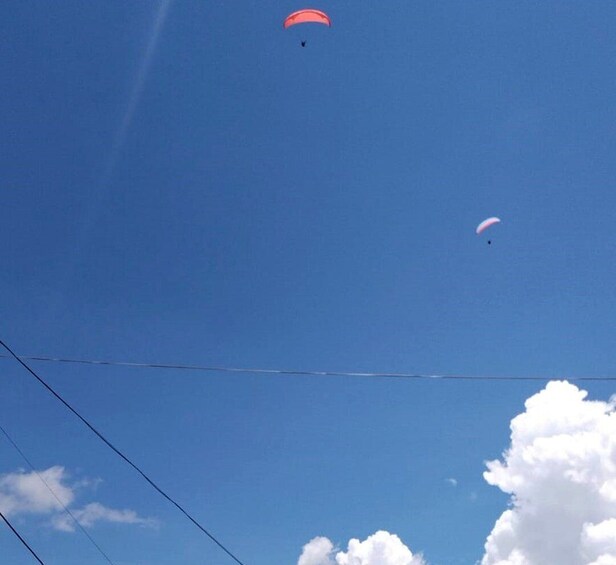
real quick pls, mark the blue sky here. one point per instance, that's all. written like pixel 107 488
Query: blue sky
pixel 311 208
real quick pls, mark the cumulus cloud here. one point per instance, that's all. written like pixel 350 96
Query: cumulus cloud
pixel 317 551
pixel 560 471
pixel 381 548
pixel 24 493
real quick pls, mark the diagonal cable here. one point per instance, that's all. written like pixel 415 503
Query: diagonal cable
pixel 121 455
pixel 22 540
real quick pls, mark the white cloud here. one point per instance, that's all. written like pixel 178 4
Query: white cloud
pixel 26 493
pixel 560 471
pixel 96 512
pixel 381 548
pixel 318 551
pixel 453 482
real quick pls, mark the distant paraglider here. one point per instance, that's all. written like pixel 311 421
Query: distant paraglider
pixel 307 16
pixel 488 222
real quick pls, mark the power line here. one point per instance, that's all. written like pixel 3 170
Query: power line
pixel 22 540
pixel 48 486
pixel 121 455
pixel 300 372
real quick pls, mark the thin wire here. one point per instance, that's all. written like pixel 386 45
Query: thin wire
pixel 44 481
pixel 294 372
pixel 120 454
pixel 22 540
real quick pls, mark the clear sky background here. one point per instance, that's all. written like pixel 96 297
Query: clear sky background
pixel 226 197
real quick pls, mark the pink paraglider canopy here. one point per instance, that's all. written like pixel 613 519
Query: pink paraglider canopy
pixel 486 224
pixel 307 16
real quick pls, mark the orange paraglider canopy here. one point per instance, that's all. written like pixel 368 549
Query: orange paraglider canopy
pixel 307 16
